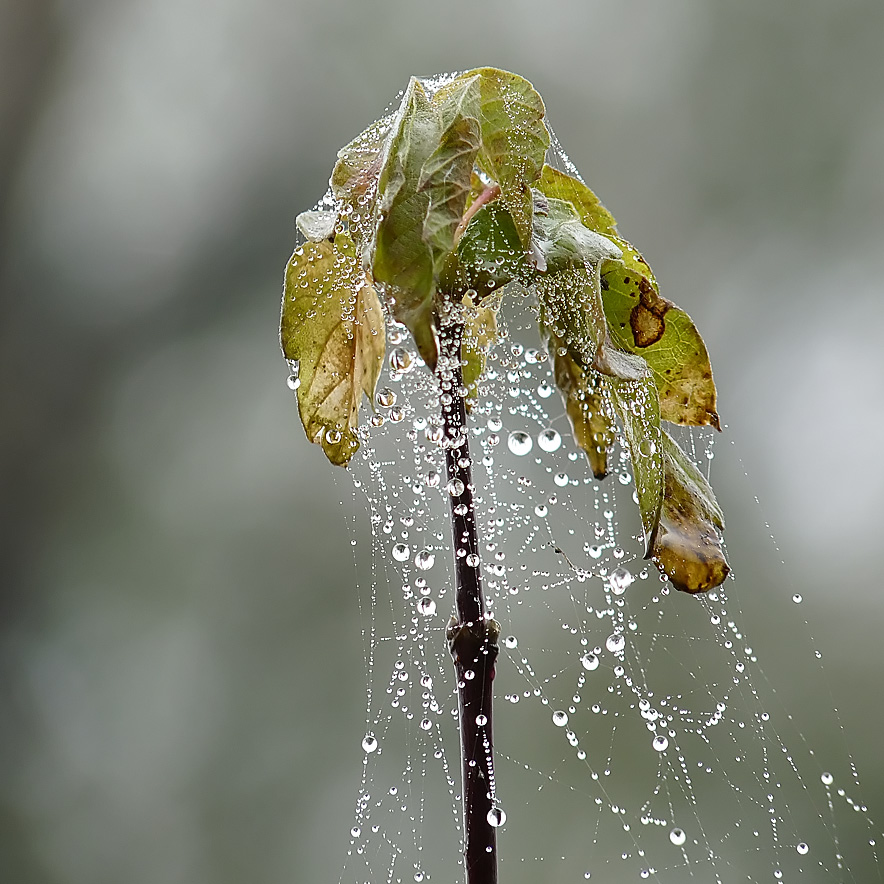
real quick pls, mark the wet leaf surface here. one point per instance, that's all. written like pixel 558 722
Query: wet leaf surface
pixel 333 325
pixel 402 259
pixel 514 140
pixel 687 545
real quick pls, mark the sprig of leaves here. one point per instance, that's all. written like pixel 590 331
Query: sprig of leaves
pixel 442 208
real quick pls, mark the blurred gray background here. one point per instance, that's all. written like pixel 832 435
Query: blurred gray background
pixel 176 559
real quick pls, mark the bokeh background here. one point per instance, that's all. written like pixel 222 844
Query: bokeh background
pixel 181 680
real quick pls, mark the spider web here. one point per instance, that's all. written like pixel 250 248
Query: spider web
pixel 637 736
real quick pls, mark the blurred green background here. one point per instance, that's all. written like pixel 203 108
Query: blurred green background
pixel 176 557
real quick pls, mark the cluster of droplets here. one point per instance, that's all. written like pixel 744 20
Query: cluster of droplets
pixel 628 676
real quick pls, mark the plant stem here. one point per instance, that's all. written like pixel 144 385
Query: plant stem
pixel 472 634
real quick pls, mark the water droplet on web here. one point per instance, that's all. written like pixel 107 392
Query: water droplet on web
pixel 369 743
pixel 590 661
pixel 426 724
pixel 802 848
pixel 549 439
pixel 293 382
pixel 615 642
pixel 424 560
pixel 677 837
pixel 401 360
pixel 455 487
pixel 473 560
pixel 496 817
pixel 355 832
pixel 560 719
pixel 561 479
pixel 432 479
pixel 511 641
pixel 620 579
pixel 797 598
pixel 660 743
pixel 401 552
pixel 544 390
pixel 386 397
pixel 427 607
pixel 520 443
pixel 827 778
pixel 481 720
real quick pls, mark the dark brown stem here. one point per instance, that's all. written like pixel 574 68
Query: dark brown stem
pixel 472 634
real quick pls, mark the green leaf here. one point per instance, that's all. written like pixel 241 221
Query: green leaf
pixel 514 140
pixel 333 325
pixel 447 173
pixel 402 260
pixel 560 185
pixel 687 546
pixel 638 409
pixel 587 405
pixel 640 320
pixel 561 239
pixel 489 252
pixel 354 179
pixel 317 226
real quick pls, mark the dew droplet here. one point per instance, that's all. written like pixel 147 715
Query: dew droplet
pixel 333 436
pixel 401 552
pixel 549 439
pixel 481 720
pixel 386 397
pixel 424 560
pixel 473 560
pixel 802 848
pixel 520 443
pixel 677 836
pixel 400 360
pixel 660 743
pixel 432 479
pixel 797 598
pixel 427 607
pixel 620 579
pixel 426 724
pixel 355 832
pixel 615 642
pixel 369 743
pixel 496 817
pixel 293 382
pixel 455 487
pixel 561 479
pixel 510 642
pixel 560 719
pixel 544 390
pixel 827 779
pixel 590 661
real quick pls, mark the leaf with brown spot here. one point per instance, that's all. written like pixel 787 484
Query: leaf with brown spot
pixel 333 325
pixel 642 321
pixel 687 545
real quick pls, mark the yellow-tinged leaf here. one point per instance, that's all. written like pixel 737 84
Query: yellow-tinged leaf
pixel 640 320
pixel 587 409
pixel 479 334
pixel 687 546
pixel 333 325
